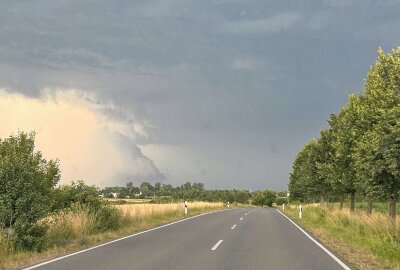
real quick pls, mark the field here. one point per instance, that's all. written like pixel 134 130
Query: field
pixel 126 201
pixel 73 230
pixel 368 242
pixel 142 211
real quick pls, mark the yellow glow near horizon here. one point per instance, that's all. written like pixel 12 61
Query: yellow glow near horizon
pixel 73 130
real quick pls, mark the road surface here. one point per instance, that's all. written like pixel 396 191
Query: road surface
pixel 252 238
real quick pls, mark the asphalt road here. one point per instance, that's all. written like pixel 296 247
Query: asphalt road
pixel 251 239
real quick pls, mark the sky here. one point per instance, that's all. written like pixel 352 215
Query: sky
pixel 220 92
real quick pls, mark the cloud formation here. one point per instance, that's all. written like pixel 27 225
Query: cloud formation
pixel 93 140
pixel 233 88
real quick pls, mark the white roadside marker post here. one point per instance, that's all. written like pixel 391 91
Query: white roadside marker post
pixel 283 206
pixel 228 204
pixel 186 207
pixel 300 211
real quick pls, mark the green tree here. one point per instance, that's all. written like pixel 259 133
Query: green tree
pixel 77 193
pixel 297 183
pixel 27 181
pixel 347 132
pixel 242 196
pixel 381 98
pixel 266 197
pixel 147 189
pixel 378 159
pixel 305 183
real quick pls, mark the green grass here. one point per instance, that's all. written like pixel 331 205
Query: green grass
pixel 374 235
pixel 376 206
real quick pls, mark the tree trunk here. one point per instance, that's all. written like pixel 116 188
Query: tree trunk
pixel 341 204
pixel 392 205
pixel 369 209
pixel 352 201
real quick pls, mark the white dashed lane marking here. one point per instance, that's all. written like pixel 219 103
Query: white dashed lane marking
pixel 216 245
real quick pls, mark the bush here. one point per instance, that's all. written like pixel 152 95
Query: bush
pixel 77 193
pixel 108 218
pixel 30 237
pixel 27 182
pixel 280 201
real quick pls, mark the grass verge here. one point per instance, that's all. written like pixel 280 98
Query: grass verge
pixel 72 231
pixel 366 242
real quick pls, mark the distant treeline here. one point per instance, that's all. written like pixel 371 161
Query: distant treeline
pixel 359 154
pixel 188 191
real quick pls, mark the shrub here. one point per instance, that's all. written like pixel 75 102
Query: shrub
pixel 108 218
pixel 27 181
pixel 280 201
pixel 30 236
pixel 77 193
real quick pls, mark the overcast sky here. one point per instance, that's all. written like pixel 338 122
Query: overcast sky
pixel 221 92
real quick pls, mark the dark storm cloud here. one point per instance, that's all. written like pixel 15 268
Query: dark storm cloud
pixel 235 88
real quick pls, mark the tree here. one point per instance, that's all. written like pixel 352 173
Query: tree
pixel 297 183
pixel 157 188
pixel 378 159
pixel 266 197
pixel 131 189
pixel 381 100
pixel 242 196
pixel 347 132
pixel 305 183
pixel 325 153
pixel 147 189
pixel 27 181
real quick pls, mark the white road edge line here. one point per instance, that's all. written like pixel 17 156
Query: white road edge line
pixel 233 227
pixel 216 245
pixel 241 218
pixel 342 264
pixel 117 240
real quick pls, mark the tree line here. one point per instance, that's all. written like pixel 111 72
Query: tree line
pixel 359 153
pixel 195 191
pixel 188 191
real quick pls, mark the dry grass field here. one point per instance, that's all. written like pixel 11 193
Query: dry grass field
pixel 140 211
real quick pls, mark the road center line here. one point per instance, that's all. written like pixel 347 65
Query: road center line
pixel 241 218
pixel 245 214
pixel 233 227
pixel 216 245
pixel 342 264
